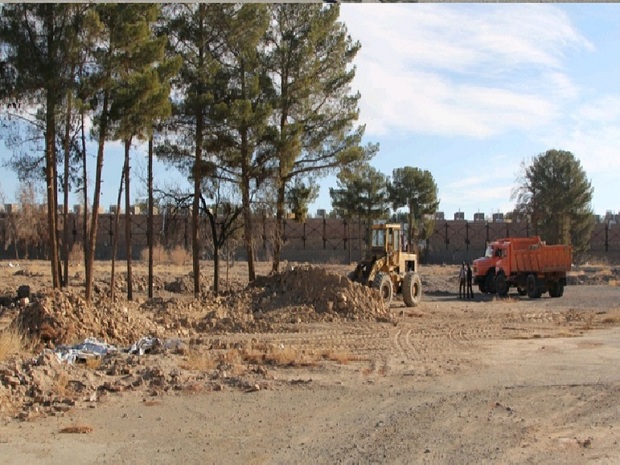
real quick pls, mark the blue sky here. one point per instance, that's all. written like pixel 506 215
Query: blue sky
pixel 470 92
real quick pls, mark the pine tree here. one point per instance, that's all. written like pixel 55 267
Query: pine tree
pixel 556 195
pixel 309 56
pixel 141 94
pixel 36 69
pixel 415 189
pixel 362 192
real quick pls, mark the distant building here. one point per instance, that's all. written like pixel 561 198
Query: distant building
pixel 439 216
pixel 459 216
pixel 498 217
pixel 321 213
pixel 11 207
pixel 478 216
pixel 610 218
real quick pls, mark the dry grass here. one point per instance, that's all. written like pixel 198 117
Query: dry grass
pixel 291 356
pixel 13 342
pixel 76 255
pixel 199 361
pixel 160 255
pixel 179 256
pixel 93 363
pixel 341 357
pixel 613 318
pixel 151 403
pixel 61 386
pixel 280 356
pixel 77 429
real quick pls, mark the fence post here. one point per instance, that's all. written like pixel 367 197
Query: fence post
pixel 466 235
pixel 447 240
pixel 324 233
pixel 111 233
pixel 607 237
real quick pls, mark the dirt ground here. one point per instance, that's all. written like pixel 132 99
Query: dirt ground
pixel 308 368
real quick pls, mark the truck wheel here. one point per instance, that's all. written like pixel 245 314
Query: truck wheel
pixel 383 284
pixel 482 288
pixel 412 289
pixel 501 284
pixel 489 283
pixel 556 289
pixel 533 291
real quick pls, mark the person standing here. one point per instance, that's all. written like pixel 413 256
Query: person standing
pixel 470 289
pixel 462 278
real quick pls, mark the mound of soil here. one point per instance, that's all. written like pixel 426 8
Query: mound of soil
pixel 321 290
pixel 300 295
pixel 63 317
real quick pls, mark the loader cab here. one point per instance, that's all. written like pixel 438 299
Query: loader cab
pixel 385 238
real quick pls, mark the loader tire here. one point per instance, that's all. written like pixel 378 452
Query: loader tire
pixel 383 284
pixel 412 289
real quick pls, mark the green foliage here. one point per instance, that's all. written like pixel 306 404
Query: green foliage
pixel 415 189
pixel 555 194
pixel 299 197
pixel 362 192
pixel 308 56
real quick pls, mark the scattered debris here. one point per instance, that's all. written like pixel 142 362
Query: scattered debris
pixel 68 373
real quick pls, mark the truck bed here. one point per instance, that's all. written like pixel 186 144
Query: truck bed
pixel 542 259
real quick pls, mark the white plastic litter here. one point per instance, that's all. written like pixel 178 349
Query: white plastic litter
pixel 91 347
pixel 144 345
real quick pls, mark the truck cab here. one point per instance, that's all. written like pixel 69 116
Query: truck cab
pixel 484 267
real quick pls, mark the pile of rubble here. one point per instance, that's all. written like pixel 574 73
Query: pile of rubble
pixel 325 292
pixel 44 384
pixel 63 317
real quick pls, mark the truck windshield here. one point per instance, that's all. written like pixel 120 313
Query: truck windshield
pixel 489 251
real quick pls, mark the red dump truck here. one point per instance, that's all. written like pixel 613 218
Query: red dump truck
pixel 526 263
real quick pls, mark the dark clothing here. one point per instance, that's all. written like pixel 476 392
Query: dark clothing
pixel 470 290
pixel 462 278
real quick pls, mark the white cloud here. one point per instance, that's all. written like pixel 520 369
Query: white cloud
pixel 474 70
pixel 592 134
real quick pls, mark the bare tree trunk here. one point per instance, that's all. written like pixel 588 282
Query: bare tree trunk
pixel 115 233
pixel 277 240
pixel 247 232
pixel 65 212
pixel 85 193
pixel 196 204
pixel 149 224
pixel 96 201
pixel 50 179
pixel 128 221
pixel 216 251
